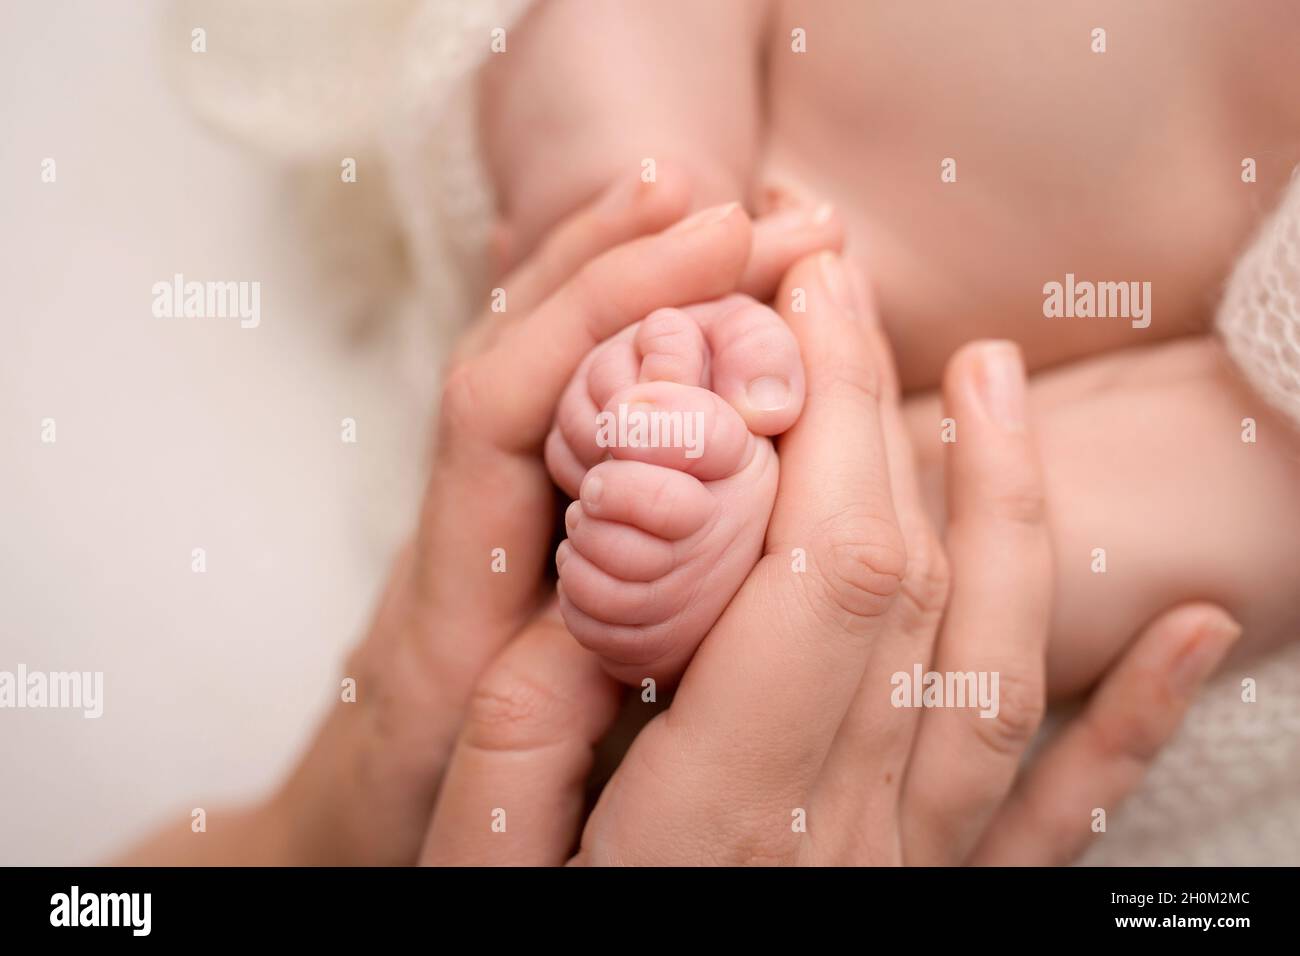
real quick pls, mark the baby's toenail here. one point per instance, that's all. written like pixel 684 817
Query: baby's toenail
pixel 591 490
pixel 769 393
pixel 561 555
pixel 571 516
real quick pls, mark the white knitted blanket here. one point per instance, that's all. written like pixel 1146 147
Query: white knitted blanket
pixel 388 83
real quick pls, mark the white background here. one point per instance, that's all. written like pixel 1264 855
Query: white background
pixel 172 434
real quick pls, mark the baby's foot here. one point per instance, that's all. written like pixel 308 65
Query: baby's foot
pixel 661 438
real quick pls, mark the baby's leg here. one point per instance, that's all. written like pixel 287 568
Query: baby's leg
pixel 554 110
pixel 674 484
pixel 1154 499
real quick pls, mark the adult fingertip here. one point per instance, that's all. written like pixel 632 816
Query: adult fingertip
pixel 863 295
pixel 656 203
pixel 711 216
pixel 836 281
pixel 1213 636
pixel 992 373
pixel 783 238
pixel 716 243
pixel 801 219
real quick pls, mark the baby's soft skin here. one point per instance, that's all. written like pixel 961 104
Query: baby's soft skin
pixel 1143 457
pixel 661 537
pixel 1142 454
pixel 1066 160
pixel 1114 166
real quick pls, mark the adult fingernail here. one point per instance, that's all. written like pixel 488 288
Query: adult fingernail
pixel 836 280
pixel 799 217
pixel 768 393
pixel 591 491
pixel 705 217
pixel 1203 655
pixel 861 291
pixel 1000 381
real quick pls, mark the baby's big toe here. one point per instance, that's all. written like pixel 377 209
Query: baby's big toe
pixel 668 504
pixel 755 362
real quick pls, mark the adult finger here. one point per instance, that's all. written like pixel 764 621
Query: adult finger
pixel 507 395
pixel 782 238
pixel 483 538
pixel 627 209
pixel 1101 756
pixel 991 651
pixel 771 683
pixel 860 787
pixel 474 573
pixel 513 792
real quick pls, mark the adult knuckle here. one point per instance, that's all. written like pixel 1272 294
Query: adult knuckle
pixel 859 378
pixel 1019 502
pixel 1128 733
pixel 508 710
pixel 862 563
pixel 592 286
pixel 754 832
pixel 754 849
pixel 1055 826
pixel 458 401
pixel 928 577
pixel 1021 705
pixel 551 264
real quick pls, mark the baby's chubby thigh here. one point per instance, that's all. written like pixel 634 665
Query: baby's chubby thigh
pixel 1167 480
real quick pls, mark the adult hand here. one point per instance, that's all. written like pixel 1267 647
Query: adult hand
pixel 783 743
pixel 474 575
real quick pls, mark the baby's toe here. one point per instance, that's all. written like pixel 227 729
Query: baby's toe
pixel 573 423
pixel 622 551
pixel 571 447
pixel 637 628
pixel 613 367
pixel 630 567
pixel 755 363
pixel 671 348
pixel 662 502
pixel 606 598
pixel 565 468
pixel 675 426
pixel 629 654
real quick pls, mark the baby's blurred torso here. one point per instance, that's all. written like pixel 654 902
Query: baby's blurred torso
pixel 1116 166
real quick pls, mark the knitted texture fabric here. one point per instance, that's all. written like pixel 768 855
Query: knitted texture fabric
pixel 390 84
pixel 1226 790
pixel 1259 317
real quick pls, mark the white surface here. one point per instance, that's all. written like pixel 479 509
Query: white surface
pixel 172 434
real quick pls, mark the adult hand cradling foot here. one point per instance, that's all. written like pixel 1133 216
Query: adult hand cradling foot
pixel 783 743
pixel 364 791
